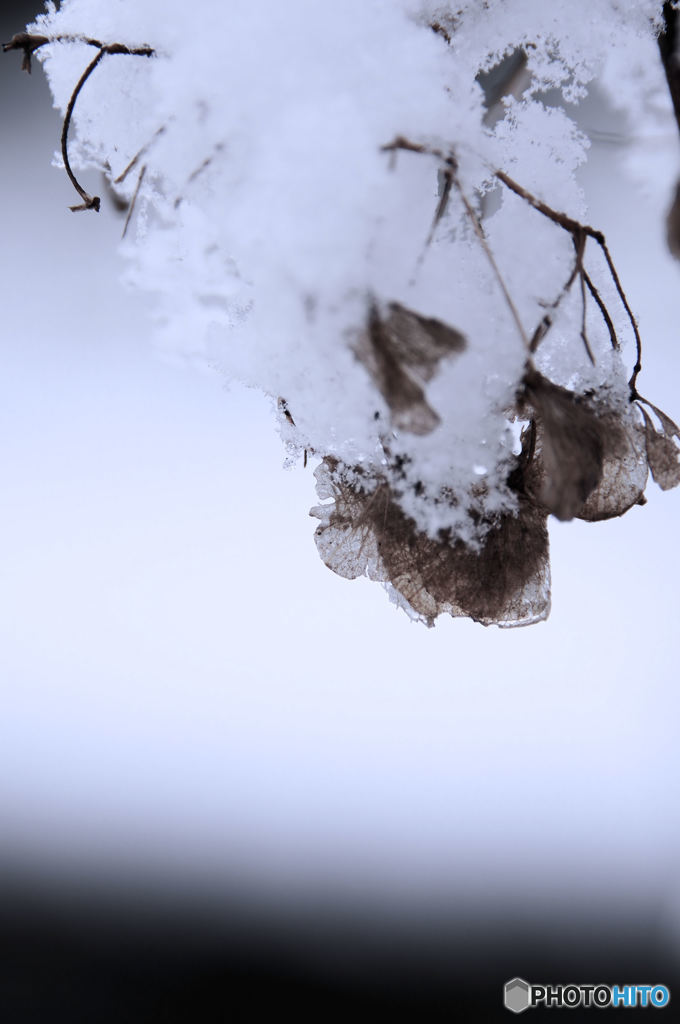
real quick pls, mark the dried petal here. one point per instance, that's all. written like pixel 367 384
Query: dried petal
pixel 570 445
pixel 419 341
pixel 624 470
pixel 401 351
pixel 346 538
pixel 663 453
pixel 506 582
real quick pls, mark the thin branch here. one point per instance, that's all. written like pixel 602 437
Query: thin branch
pixel 573 226
pixel 490 257
pixel 579 241
pixel 400 142
pixel 547 321
pixel 584 336
pixel 603 309
pixel 575 229
pixel 89 202
pixel 638 340
pixel 600 239
pixel 29 44
pixel 450 171
pixel 142 152
pixel 441 205
pixel 131 207
pixel 196 173
pixel 568 223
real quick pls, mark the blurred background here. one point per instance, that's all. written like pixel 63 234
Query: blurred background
pixel 227 774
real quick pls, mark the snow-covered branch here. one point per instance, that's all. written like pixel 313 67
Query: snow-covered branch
pixel 370 211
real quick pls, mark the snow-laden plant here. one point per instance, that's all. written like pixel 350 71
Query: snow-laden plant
pixel 368 209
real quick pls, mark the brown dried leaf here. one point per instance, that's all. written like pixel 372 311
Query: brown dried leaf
pixel 667 423
pixel 421 341
pixel 570 446
pixel 624 471
pixel 402 351
pixel 506 582
pixel 346 539
pixel 663 453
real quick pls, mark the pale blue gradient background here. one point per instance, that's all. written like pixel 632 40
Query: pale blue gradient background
pixel 187 692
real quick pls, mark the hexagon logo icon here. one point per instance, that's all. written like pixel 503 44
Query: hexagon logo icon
pixel 516 995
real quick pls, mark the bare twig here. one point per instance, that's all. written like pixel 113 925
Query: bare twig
pixel 580 245
pixel 196 173
pixel 441 205
pixel 577 230
pixel 89 202
pixel 584 335
pixel 451 179
pixel 479 231
pixel 131 207
pixel 145 148
pixel 400 142
pixel 547 321
pixel 29 44
pixel 574 227
pixel 601 306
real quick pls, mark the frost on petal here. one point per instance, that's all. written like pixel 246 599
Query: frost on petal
pixel 505 582
pixel 663 452
pixel 401 351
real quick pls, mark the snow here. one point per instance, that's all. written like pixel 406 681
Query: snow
pixel 270 220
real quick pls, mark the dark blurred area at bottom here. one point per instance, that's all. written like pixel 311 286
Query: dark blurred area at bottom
pixel 98 953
